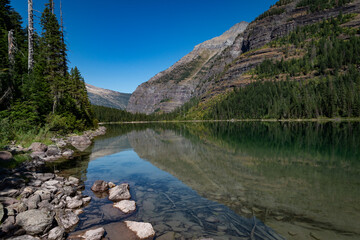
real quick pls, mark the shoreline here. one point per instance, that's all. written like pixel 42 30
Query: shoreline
pixel 320 120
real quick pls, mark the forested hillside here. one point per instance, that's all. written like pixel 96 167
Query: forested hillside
pixel 44 94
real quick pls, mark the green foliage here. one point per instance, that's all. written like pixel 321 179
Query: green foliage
pixel 283 2
pixel 319 5
pixel 271 12
pixel 106 114
pixel 46 98
pixel 327 97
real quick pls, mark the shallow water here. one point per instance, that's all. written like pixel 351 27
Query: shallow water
pixel 220 180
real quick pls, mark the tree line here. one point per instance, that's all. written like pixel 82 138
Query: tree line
pixel 46 94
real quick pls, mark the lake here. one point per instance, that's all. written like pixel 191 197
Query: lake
pixel 228 180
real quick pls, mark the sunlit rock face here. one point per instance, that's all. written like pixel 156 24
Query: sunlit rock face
pixel 173 87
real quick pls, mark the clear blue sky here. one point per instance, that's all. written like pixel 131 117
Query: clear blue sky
pixel 119 44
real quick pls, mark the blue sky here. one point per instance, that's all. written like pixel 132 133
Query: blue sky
pixel 119 44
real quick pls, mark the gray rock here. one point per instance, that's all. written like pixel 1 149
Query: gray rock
pixel 126 206
pixel 6 156
pixel 53 150
pixel 66 220
pixel 35 183
pixel 32 202
pixel 61 143
pixel 44 176
pixel 167 236
pixel 73 202
pixel 44 194
pixel 100 186
pixel 80 142
pixel 1 212
pixel 38 155
pixel 92 234
pixel 24 237
pixel 56 233
pixel 9 192
pixel 38 147
pixel 68 154
pixel 120 192
pixel 73 180
pixel 8 225
pixel 86 200
pixel 35 221
pixel 142 230
pixel 27 192
pixel 69 191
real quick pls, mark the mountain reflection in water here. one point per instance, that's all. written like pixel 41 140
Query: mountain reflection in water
pixel 301 179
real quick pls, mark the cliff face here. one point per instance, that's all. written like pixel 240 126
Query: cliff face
pixel 176 85
pixel 107 98
pixel 206 72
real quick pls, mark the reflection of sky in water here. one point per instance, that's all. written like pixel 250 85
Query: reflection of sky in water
pixel 163 201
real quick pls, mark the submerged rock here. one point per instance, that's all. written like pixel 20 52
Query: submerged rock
pixel 100 186
pixel 126 206
pixel 120 192
pixel 35 221
pixel 144 231
pixel 92 234
pixel 53 150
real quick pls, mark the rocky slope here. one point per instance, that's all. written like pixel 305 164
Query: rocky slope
pixel 176 85
pixel 107 98
pixel 205 74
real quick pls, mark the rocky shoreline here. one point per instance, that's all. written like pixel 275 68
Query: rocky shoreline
pixel 36 205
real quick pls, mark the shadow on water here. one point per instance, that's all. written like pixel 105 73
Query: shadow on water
pixel 301 179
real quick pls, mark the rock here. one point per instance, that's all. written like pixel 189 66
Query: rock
pixel 35 183
pixel 120 192
pixel 9 192
pixel 19 207
pixel 80 142
pixel 211 219
pixel 44 194
pixel 60 143
pixel 24 237
pixel 74 180
pixel 53 150
pixel 314 236
pixel 92 234
pixel 6 156
pixel 126 206
pixel 1 212
pixel 27 192
pixel 86 200
pixel 50 183
pixel 78 211
pixel 8 225
pixel 37 155
pixel 38 147
pixel 56 233
pixel 100 186
pixel 68 153
pixel 35 221
pixel 144 231
pixel 66 220
pixel 111 184
pixel 44 176
pixel 10 211
pixel 167 236
pixel 69 191
pixel 73 202
pixel 32 202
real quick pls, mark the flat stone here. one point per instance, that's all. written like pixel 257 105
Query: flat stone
pixel 69 191
pixel 6 156
pixel 68 154
pixel 9 192
pixel 44 176
pixel 143 230
pixel 66 220
pixel 73 180
pixel 120 192
pixel 44 194
pixel 86 200
pixel 32 202
pixel 167 236
pixel 126 206
pixel 100 186
pixel 92 234
pixel 56 233
pixel 35 221
pixel 38 147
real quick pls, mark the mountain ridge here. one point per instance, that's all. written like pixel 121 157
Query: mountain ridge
pixel 107 98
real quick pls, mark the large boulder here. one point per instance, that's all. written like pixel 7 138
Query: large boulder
pixel 100 186
pixel 35 221
pixel 120 192
pixel 80 142
pixel 6 156
pixel 38 147
pixel 66 219
pixel 126 206
pixel 143 230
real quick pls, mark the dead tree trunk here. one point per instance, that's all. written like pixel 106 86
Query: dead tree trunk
pixel 30 35
pixel 11 47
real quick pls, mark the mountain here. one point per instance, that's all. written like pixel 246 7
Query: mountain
pixel 173 87
pixel 107 98
pixel 206 73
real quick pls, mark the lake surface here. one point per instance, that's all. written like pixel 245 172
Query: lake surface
pixel 229 180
